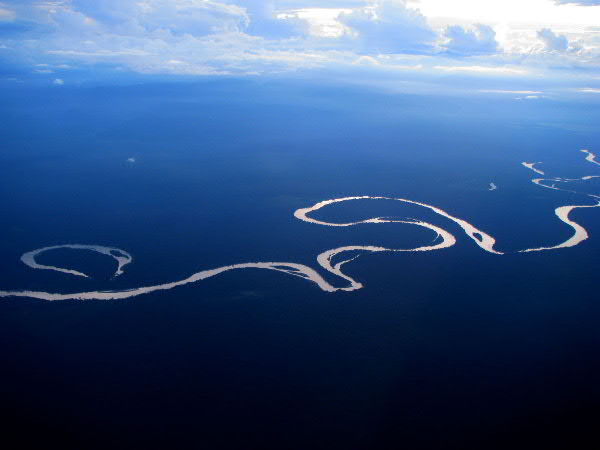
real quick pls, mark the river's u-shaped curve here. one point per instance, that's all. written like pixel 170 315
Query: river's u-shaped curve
pixel 325 260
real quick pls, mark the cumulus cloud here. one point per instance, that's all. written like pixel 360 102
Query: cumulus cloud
pixel 58 82
pixel 552 41
pixel 264 20
pixel 210 36
pixel 479 40
pixel 389 26
pixel 216 37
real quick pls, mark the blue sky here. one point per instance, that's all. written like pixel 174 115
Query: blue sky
pixel 527 48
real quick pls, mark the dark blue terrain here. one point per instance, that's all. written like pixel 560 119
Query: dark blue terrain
pixel 450 349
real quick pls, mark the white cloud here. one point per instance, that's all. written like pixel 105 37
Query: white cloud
pixel 388 26
pixel 217 37
pixel 589 90
pixel 320 22
pixel 58 82
pixel 195 17
pixel 500 70
pixel 478 40
pixel 523 14
pixel 264 18
pixel 515 21
pixel 552 41
pixel 530 97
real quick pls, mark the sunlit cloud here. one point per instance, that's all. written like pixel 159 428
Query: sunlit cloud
pixel 483 38
pixel 533 13
pixel 483 69
pixel 320 22
pixel 553 41
pixel 476 40
pixel 514 21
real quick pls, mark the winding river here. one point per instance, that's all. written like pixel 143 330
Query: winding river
pixel 325 260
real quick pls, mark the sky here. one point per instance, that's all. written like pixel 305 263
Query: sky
pixel 551 47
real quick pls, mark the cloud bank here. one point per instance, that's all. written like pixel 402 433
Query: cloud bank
pixel 252 37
